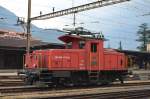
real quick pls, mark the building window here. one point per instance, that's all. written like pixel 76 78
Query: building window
pixel 93 47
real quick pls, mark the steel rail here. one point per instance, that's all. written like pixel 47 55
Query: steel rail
pixel 20 89
pixel 111 95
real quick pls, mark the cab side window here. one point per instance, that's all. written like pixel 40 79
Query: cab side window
pixel 69 45
pixel 93 47
pixel 81 44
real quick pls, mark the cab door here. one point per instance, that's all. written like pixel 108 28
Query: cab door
pixel 94 56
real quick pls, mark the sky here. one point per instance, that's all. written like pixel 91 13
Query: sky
pixel 117 22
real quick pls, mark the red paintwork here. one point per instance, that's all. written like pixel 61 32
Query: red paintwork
pixel 114 60
pixel 76 58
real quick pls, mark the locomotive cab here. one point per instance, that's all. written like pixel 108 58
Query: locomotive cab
pixel 92 46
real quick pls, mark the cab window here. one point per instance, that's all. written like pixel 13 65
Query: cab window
pixel 93 47
pixel 81 44
pixel 69 45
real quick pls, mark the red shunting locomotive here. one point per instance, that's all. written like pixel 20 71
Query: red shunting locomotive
pixel 83 61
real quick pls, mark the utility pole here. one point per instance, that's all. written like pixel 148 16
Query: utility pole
pixel 74 19
pixel 28 28
pixel 74 15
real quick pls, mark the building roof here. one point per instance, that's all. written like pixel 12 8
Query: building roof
pixel 16 39
pixel 131 52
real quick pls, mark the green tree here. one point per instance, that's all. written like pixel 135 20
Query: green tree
pixel 144 36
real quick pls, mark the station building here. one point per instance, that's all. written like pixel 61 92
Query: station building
pixel 137 60
pixel 13 48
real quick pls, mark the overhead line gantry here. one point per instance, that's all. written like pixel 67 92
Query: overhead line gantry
pixel 89 6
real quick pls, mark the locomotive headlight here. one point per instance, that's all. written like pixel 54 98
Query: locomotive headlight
pixel 34 65
pixel 25 65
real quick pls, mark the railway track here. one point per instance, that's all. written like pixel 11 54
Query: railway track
pixel 116 92
pixel 69 95
pixel 10 80
pixel 26 89
pixel 113 95
pixel 22 89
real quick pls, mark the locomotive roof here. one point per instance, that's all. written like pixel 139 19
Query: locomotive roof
pixel 68 38
pixel 80 33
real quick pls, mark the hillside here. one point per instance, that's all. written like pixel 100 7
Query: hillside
pixel 8 21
